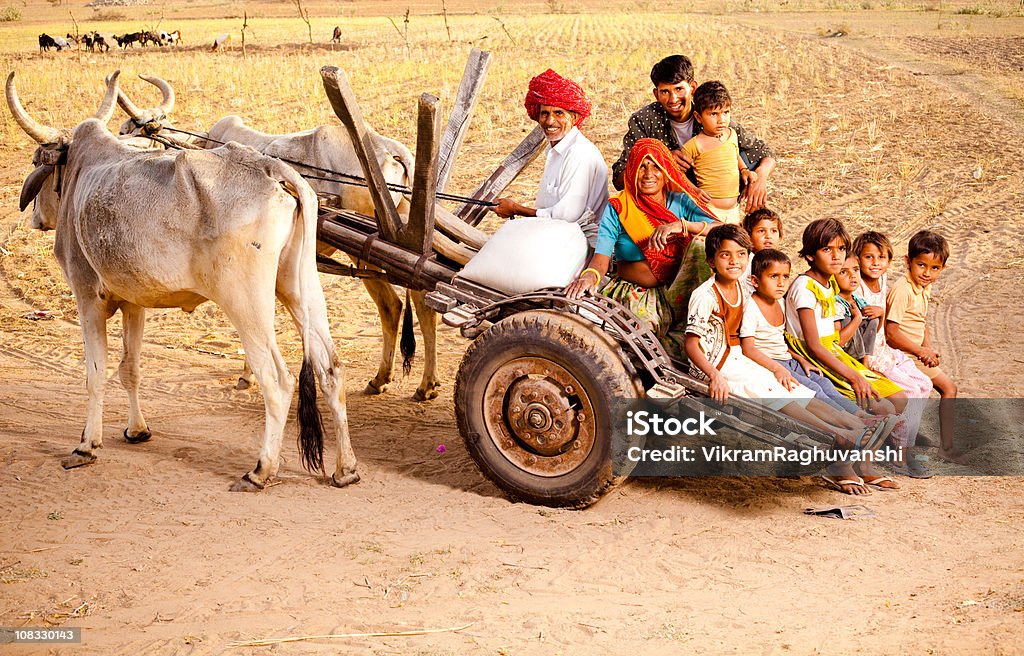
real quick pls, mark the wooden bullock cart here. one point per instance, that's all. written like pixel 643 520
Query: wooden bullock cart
pixel 535 390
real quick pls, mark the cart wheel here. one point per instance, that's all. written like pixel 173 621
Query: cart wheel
pixel 533 401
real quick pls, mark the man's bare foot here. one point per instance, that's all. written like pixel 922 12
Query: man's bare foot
pixel 953 456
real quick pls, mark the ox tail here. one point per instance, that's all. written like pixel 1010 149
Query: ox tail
pixel 407 345
pixel 311 425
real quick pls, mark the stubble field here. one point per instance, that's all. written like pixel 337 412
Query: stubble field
pixel 911 120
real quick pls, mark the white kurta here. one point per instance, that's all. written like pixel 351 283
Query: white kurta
pixel 574 185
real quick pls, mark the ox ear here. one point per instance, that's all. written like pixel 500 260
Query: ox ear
pixel 34 183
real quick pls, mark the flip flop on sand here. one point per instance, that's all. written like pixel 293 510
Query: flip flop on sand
pixel 881 483
pixel 837 484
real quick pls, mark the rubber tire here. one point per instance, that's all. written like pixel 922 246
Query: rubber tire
pixel 592 356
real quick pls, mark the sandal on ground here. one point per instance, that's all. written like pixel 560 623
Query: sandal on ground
pixel 879 483
pixel 836 483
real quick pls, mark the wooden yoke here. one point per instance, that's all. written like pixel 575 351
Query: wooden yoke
pixel 418 233
pixel 507 171
pixel 473 78
pixel 343 100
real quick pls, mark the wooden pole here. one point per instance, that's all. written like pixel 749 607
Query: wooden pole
pixel 343 100
pixel 507 171
pixel 473 78
pixel 417 234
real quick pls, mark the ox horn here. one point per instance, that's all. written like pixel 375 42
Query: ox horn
pixel 43 134
pixel 167 104
pixel 130 108
pixel 106 110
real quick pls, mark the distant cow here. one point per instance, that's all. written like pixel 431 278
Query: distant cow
pixel 219 42
pixel 140 229
pixel 336 37
pixel 46 42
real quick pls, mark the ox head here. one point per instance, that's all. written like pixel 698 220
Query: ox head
pixel 51 155
pixel 140 118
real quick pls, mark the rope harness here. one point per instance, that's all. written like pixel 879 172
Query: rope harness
pixel 150 129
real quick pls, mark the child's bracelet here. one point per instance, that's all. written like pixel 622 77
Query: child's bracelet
pixel 593 271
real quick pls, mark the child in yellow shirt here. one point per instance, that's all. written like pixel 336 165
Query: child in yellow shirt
pixel 715 152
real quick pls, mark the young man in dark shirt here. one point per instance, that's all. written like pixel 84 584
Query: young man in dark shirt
pixel 670 120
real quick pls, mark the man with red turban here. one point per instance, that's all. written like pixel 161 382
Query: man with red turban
pixel 574 185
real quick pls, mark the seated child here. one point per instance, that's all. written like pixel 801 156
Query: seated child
pixel 715 152
pixel 856 332
pixel 762 333
pixel 874 251
pixel 713 346
pixel 905 327
pixel 765 229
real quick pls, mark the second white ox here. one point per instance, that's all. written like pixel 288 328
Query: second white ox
pixel 161 229
pixel 330 148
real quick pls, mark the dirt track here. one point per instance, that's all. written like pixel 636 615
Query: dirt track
pixel 149 552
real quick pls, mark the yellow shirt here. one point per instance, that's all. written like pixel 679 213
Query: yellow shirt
pixel 907 305
pixel 717 170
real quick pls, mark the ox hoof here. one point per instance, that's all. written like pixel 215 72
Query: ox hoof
pixel 373 387
pixel 138 438
pixel 246 484
pixel 243 383
pixel 427 394
pixel 347 479
pixel 77 459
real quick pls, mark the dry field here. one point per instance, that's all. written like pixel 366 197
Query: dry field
pixel 911 120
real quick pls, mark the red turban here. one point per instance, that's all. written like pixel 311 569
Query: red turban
pixel 550 88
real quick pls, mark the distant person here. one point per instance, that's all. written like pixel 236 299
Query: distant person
pixel 574 185
pixel 670 120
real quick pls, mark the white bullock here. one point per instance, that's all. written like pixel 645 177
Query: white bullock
pixel 330 148
pixel 159 229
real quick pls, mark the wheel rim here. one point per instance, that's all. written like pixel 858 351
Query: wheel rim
pixel 539 416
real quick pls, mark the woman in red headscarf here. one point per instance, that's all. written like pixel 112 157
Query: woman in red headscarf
pixel 648 228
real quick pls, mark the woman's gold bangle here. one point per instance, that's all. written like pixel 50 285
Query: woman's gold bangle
pixel 704 229
pixel 593 271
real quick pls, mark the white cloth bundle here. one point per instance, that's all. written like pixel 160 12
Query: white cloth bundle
pixel 528 254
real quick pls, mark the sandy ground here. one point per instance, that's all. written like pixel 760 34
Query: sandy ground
pixel 150 554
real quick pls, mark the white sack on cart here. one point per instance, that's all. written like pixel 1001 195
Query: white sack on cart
pixel 528 254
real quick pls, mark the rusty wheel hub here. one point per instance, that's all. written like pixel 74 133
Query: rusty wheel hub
pixel 539 416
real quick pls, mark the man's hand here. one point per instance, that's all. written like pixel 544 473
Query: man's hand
pixel 659 239
pixel 507 208
pixel 872 312
pixel 682 160
pixel 755 193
